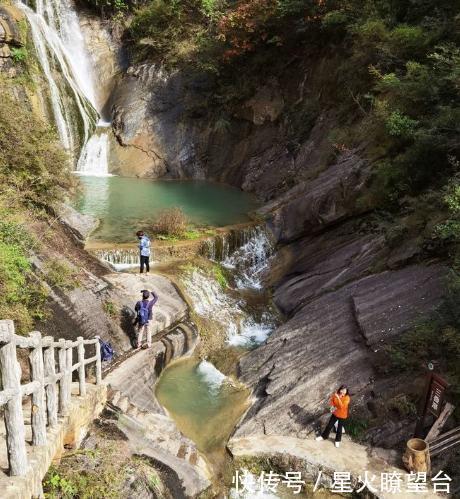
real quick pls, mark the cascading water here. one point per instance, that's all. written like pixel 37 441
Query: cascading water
pixel 244 326
pixel 119 259
pixel 94 158
pixel 60 50
pixel 245 251
pixel 251 260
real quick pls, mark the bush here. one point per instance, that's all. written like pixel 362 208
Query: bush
pixel 33 166
pixel 171 222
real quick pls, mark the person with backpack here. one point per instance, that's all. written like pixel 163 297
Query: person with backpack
pixel 143 310
pixel 144 249
pixel 339 403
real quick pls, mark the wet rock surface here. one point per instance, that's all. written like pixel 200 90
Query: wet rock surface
pixel 340 310
pixel 149 430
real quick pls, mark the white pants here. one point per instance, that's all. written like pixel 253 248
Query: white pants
pixel 140 334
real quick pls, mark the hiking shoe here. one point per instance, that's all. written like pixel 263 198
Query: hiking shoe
pixel 318 439
pixel 337 444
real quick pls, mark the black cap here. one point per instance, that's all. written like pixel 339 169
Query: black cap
pixel 145 294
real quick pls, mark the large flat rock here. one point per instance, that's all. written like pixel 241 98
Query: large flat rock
pixel 314 205
pixel 332 340
pixel 170 307
pixel 391 302
pixel 311 457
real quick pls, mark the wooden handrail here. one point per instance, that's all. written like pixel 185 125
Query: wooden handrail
pixel 47 400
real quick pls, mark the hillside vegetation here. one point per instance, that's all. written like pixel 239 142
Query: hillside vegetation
pixel 34 175
pixel 391 75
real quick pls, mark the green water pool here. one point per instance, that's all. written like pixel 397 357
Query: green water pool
pixel 125 205
pixel 204 405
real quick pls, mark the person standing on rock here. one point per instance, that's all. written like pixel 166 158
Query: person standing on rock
pixel 144 248
pixel 143 310
pixel 340 401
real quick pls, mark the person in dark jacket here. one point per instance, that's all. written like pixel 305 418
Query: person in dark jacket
pixel 143 310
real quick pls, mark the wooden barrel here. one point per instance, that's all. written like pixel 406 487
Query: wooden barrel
pixel 417 456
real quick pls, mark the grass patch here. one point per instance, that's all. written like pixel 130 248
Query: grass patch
pixel 60 275
pixel 220 275
pixel 110 309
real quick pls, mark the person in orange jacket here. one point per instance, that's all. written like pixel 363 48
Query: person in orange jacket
pixel 340 401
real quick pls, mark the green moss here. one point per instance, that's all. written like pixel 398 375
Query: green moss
pixel 220 275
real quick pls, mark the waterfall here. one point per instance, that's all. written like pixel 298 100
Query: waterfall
pixel 119 259
pixel 228 312
pixel 251 260
pixel 61 53
pixel 94 158
pixel 246 251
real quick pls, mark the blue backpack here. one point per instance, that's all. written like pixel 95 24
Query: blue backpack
pixel 107 352
pixel 143 313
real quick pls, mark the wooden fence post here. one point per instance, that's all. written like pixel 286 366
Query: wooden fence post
pixel 81 368
pixel 14 418
pixel 63 387
pixel 38 396
pixel 98 362
pixel 69 352
pixel 51 389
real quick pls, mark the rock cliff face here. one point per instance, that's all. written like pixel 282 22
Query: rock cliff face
pixel 168 116
pixel 345 292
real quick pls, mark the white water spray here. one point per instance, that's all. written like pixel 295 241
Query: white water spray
pixel 211 375
pixel 59 46
pixel 119 259
pixel 212 303
pixel 251 260
pixel 94 158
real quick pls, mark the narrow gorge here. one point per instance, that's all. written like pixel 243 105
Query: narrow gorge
pixel 312 171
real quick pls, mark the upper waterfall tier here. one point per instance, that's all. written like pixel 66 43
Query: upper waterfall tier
pixel 60 49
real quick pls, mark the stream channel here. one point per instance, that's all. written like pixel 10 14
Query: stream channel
pixel 224 286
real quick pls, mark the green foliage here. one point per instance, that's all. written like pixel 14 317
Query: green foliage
pixel 356 426
pixel 33 167
pixel 57 486
pixel 156 27
pixel 399 125
pixel 22 297
pixel 19 54
pixel 220 275
pixel 60 275
pixel 110 309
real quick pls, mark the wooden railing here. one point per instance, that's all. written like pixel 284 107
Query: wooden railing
pixel 50 389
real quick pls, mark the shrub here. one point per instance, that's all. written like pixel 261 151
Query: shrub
pixel 171 222
pixel 19 54
pixel 400 125
pixel 32 165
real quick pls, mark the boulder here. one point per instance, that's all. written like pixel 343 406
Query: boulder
pixel 79 225
pixel 313 205
pixel 332 339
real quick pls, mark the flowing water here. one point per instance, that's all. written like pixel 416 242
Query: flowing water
pixel 59 47
pixel 241 310
pixel 94 158
pixel 205 404
pixel 126 205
